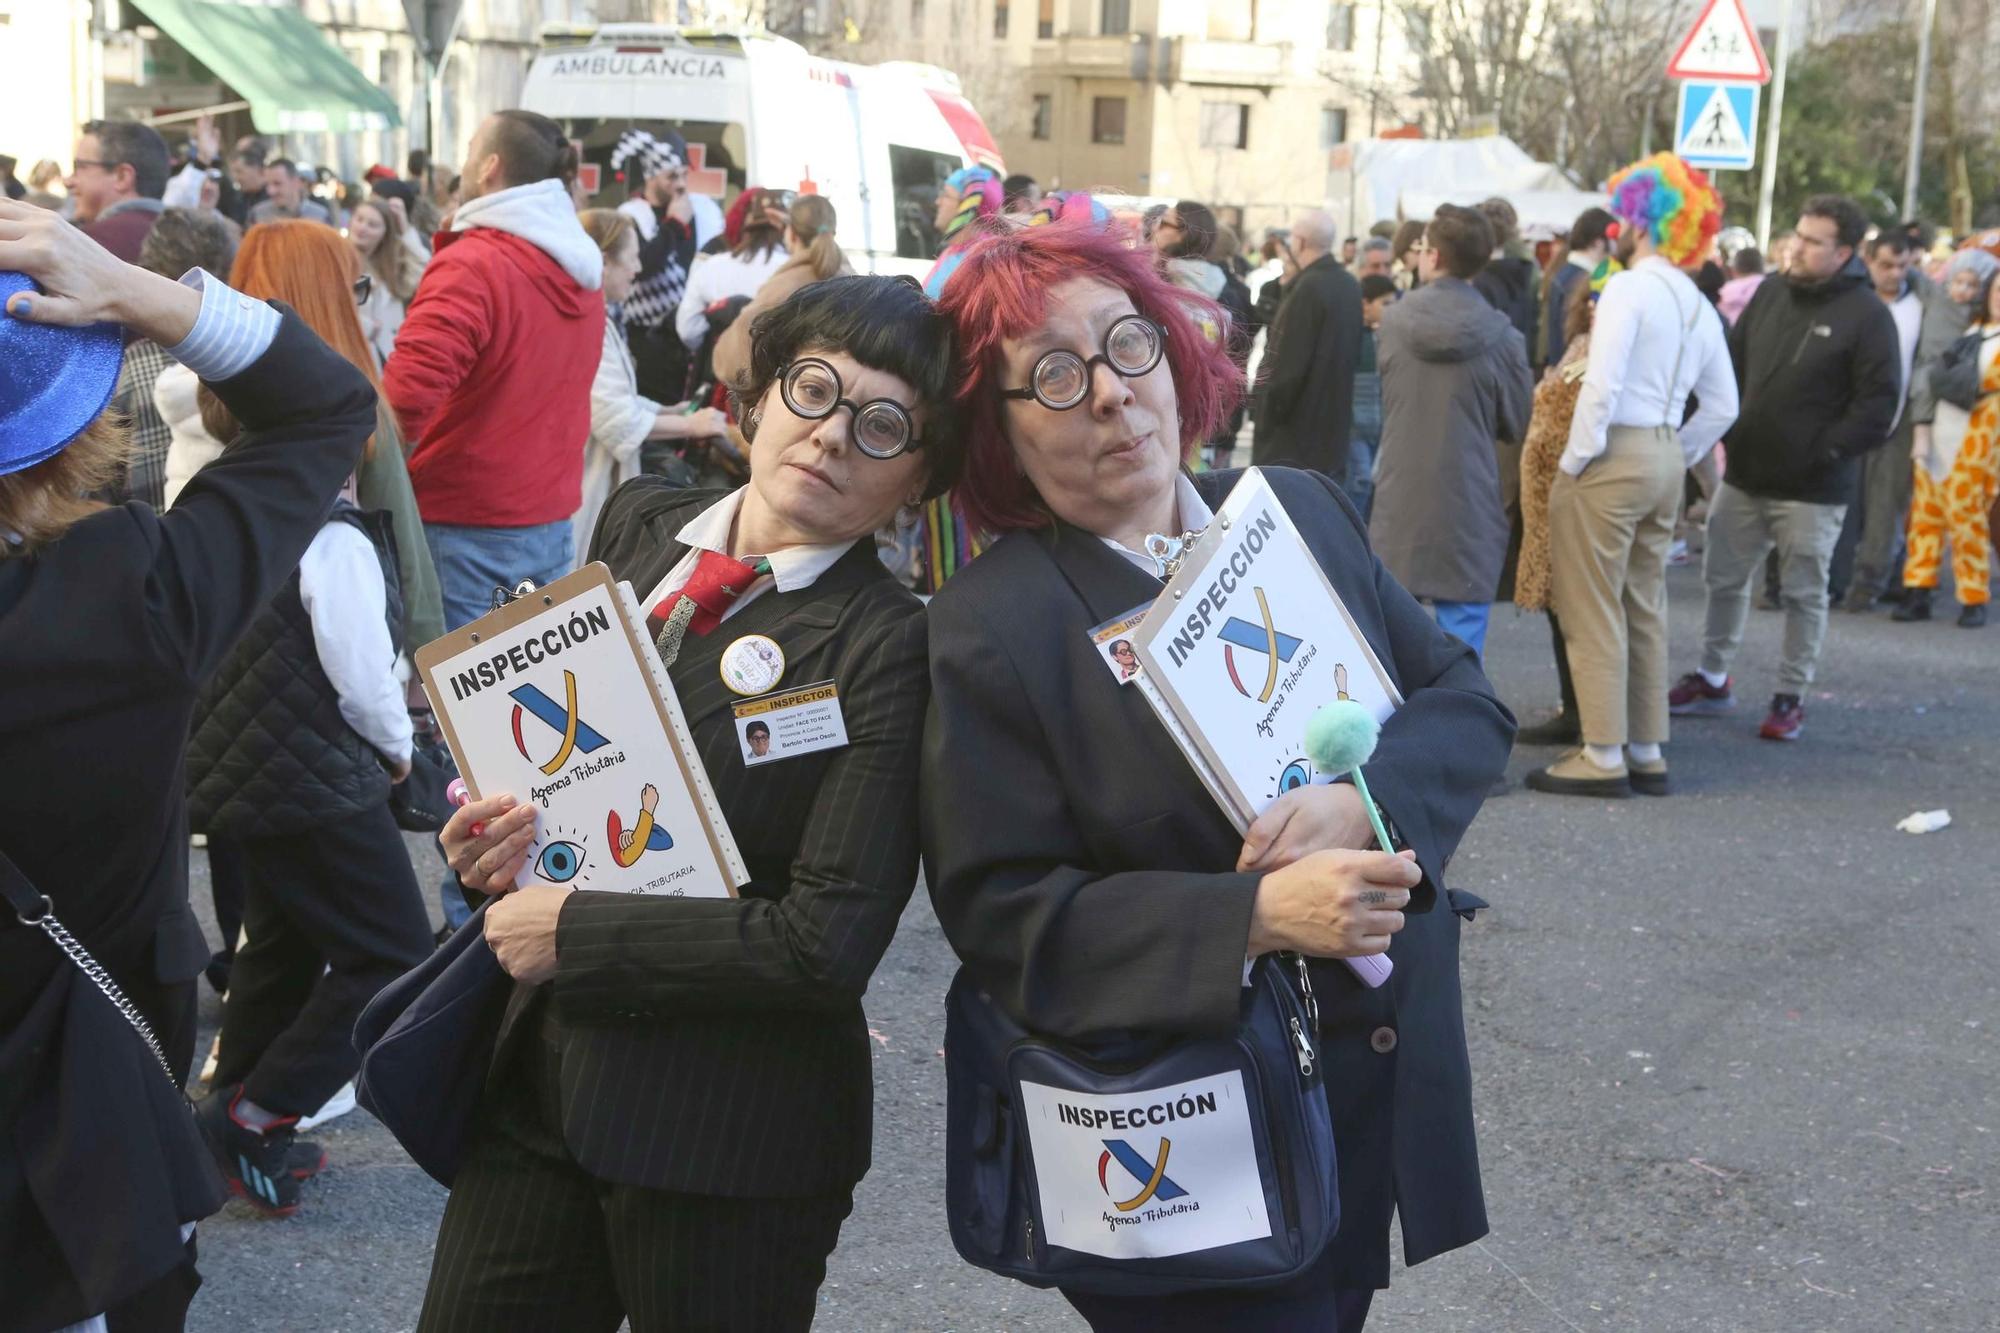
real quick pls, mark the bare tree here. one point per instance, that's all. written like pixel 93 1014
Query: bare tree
pixel 1477 60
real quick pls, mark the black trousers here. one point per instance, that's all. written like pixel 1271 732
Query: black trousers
pixel 532 1243
pixel 1564 681
pixel 332 915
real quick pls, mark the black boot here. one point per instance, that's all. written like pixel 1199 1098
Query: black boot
pixel 1916 606
pixel 1973 617
pixel 1562 729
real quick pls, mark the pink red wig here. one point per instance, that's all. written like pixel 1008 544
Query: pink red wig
pixel 1670 201
pixel 1001 291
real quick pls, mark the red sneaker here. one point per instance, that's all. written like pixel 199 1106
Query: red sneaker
pixel 1693 696
pixel 1787 719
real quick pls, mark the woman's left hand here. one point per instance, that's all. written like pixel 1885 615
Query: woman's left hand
pixel 1308 819
pixel 521 930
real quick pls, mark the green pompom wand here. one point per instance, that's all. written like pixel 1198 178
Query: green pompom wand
pixel 1340 738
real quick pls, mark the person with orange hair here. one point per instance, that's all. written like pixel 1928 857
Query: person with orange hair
pixel 297 739
pixel 1654 341
pixel 326 284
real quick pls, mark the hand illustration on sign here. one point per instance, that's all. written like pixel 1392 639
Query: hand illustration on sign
pixel 628 845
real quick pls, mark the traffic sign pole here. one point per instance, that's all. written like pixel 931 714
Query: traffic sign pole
pixel 1917 100
pixel 1770 181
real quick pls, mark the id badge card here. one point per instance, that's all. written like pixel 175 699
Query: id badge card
pixel 790 723
pixel 1113 641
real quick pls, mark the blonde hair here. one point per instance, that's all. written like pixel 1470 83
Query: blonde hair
pixel 606 226
pixel 813 221
pixel 41 503
pixel 393 264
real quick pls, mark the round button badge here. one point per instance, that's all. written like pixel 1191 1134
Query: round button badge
pixel 754 664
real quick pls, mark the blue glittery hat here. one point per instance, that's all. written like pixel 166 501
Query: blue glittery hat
pixel 53 380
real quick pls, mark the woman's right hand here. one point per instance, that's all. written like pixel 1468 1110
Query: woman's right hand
pixel 1333 904
pixel 83 283
pixel 1920 441
pixel 490 860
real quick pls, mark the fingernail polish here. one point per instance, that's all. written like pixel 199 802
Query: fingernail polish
pixel 19 307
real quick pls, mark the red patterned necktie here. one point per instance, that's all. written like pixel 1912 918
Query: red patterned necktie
pixel 718 580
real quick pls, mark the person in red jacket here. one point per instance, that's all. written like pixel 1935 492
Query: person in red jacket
pixel 492 369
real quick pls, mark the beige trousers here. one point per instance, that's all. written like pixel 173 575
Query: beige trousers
pixel 1609 531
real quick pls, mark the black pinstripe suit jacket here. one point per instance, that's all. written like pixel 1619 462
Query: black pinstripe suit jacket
pixel 717 1046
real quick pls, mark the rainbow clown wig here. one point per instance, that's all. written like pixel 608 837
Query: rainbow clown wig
pixel 1673 202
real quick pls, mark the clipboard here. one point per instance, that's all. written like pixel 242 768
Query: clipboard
pixel 559 697
pixel 1245 642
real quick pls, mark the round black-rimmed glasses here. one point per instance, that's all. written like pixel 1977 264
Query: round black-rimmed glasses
pixel 1060 380
pixel 882 426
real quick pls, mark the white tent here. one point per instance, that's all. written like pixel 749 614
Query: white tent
pixel 1409 178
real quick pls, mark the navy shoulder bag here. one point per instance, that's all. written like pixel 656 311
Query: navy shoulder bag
pixel 1142 1168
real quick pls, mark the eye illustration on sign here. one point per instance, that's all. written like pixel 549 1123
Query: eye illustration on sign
pixel 563 858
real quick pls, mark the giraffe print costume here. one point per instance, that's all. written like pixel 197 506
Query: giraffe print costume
pixel 1959 504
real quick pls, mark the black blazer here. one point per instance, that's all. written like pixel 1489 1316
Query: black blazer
pixel 1086 877
pixel 106 635
pixel 717 1046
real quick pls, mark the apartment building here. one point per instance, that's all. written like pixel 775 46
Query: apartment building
pixel 1241 103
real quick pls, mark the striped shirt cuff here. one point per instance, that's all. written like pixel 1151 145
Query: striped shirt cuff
pixel 229 334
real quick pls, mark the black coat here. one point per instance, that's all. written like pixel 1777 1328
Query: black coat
pixel 1819 372
pixel 1086 878
pixel 271 753
pixel 717 1046
pixel 106 635
pixel 1305 390
pixel 1509 286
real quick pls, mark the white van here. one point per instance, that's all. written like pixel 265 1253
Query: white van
pixel 758 110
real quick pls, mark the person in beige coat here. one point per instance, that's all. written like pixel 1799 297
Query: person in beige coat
pixel 621 418
pixel 815 257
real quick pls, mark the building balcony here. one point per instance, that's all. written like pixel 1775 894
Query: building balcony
pixel 1127 56
pixel 1238 64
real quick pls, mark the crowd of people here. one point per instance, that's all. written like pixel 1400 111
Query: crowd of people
pixel 342 423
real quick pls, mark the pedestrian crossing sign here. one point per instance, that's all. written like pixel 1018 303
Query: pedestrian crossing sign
pixel 1721 45
pixel 1717 125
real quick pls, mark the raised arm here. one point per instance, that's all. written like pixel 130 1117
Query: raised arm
pixel 238 528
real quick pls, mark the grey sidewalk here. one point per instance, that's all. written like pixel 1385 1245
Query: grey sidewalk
pixel 1734 1051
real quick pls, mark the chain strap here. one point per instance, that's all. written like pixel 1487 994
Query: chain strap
pixel 45 920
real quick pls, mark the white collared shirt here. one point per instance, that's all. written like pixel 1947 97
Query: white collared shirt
pixel 1908 312
pixel 1650 319
pixel 792 568
pixel 1192 515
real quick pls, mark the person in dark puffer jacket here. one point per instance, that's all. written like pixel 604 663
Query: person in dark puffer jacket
pixel 296 741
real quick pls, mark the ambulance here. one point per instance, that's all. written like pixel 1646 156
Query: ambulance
pixel 759 110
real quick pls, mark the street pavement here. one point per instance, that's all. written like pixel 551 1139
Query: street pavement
pixel 1734 1051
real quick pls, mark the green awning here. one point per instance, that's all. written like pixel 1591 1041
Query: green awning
pixel 295 80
